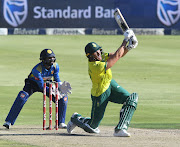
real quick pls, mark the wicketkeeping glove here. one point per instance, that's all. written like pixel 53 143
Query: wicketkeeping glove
pixel 64 88
pixel 60 95
pixel 128 34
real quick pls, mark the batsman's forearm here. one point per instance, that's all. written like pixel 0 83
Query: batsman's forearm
pixel 116 56
pixel 125 51
pixel 121 51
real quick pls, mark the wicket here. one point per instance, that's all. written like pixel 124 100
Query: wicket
pixel 50 105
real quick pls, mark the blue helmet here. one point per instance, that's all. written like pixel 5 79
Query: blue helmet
pixel 44 56
pixel 46 53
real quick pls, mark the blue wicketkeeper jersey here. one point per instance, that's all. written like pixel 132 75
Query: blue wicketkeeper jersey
pixel 40 74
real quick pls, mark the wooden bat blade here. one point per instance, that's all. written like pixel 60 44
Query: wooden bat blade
pixel 120 20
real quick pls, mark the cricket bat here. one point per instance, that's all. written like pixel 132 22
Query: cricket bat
pixel 120 20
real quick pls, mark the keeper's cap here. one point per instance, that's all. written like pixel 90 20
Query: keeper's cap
pixel 46 53
pixel 91 48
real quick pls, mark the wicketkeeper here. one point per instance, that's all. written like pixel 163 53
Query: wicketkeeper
pixel 105 89
pixel 46 70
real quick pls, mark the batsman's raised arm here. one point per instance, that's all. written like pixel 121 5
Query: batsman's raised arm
pixel 114 57
pixel 130 37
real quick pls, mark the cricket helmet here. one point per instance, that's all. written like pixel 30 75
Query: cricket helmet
pixel 44 56
pixel 46 53
pixel 91 48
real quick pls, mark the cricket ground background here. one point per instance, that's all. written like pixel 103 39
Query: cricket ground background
pixel 152 69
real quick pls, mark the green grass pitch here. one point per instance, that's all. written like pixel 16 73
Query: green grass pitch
pixel 152 70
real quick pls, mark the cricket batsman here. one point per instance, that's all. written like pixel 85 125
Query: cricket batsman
pixel 105 89
pixel 46 70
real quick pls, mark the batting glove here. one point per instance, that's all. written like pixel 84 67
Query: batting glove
pixel 128 34
pixel 133 42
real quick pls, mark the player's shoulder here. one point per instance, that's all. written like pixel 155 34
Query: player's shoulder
pixel 55 65
pixel 38 67
pixel 96 64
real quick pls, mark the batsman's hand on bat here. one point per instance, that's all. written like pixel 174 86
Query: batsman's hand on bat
pixel 133 42
pixel 128 34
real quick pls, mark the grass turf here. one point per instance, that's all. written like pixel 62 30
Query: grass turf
pixel 152 70
pixel 7 143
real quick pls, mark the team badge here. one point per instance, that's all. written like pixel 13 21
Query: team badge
pixel 168 11
pixel 49 51
pixel 93 44
pixel 65 98
pixel 15 11
pixel 22 95
pixel 97 104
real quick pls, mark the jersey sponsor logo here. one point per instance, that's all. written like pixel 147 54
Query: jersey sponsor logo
pixel 36 78
pixel 47 78
pixel 168 11
pixel 15 12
